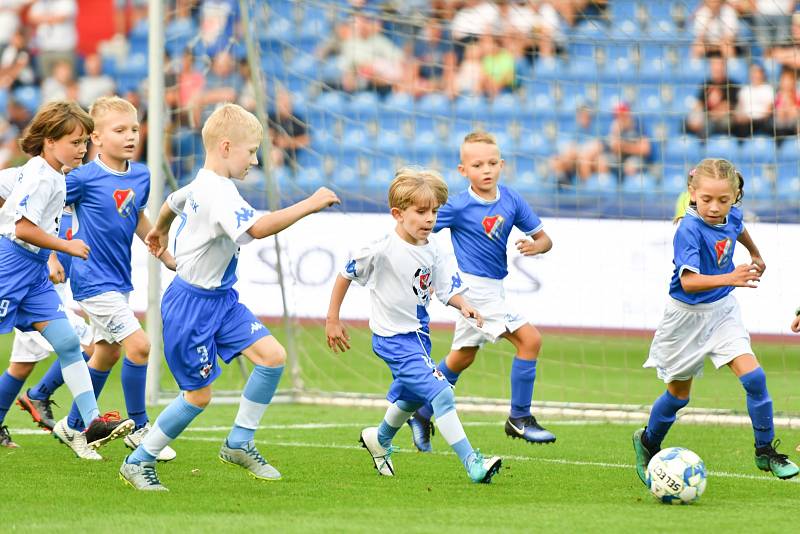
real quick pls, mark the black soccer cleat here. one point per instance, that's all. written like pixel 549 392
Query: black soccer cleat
pixel 107 427
pixel 528 429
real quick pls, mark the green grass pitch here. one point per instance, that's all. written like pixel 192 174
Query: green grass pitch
pixel 584 482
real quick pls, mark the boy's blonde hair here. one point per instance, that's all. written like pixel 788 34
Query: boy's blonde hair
pixel 417 187
pixel 478 136
pixel 233 122
pixel 104 104
pixel 719 169
pixel 54 120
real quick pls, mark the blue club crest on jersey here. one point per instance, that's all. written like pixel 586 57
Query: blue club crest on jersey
pixel 493 225
pixel 724 250
pixel 123 199
pixel 422 285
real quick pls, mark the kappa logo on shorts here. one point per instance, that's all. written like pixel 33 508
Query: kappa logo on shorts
pixel 61 308
pixel 123 199
pixel 724 250
pixel 493 225
pixel 255 327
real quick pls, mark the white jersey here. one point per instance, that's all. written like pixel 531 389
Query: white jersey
pixel 214 219
pixel 8 178
pixel 401 278
pixel 39 197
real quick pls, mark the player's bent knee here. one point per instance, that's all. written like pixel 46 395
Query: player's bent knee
pixel 62 337
pixel 199 397
pixel 267 352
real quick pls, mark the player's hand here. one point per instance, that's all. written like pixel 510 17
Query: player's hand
pixel 323 198
pixel 759 263
pixel 338 338
pixel 156 242
pixel 77 248
pixel 745 275
pixel 527 247
pixel 57 275
pixel 471 313
pixel 796 324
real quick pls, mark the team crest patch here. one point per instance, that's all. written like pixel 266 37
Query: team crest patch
pixel 422 285
pixel 123 198
pixel 723 248
pixel 493 225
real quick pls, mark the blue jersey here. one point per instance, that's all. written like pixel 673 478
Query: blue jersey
pixel 480 228
pixel 107 205
pixel 704 249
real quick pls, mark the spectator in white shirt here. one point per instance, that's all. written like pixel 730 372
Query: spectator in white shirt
pixel 716 25
pixel 56 33
pixel 753 112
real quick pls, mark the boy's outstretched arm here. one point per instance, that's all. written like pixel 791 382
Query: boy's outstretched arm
pixel 143 228
pixel 459 302
pixel 338 339
pixel 539 244
pixel 276 221
pixel 157 239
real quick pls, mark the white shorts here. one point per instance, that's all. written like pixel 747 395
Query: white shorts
pixel 690 332
pixel 488 297
pixel 112 318
pixel 32 347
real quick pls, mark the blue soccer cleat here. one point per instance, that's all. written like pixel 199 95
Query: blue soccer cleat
pixel 528 429
pixel 481 470
pixel 421 432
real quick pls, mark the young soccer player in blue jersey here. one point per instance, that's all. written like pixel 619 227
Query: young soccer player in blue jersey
pixel 109 195
pixel 29 225
pixel 402 271
pixel 480 220
pixel 702 318
pixel 203 318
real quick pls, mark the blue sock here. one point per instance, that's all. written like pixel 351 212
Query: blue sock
pixel 444 408
pixel 256 397
pixel 523 374
pixel 74 420
pixel 62 337
pixel 397 414
pixel 759 406
pixel 9 389
pixel 50 382
pixel 169 424
pixel 134 378
pixel 662 415
pixel 426 411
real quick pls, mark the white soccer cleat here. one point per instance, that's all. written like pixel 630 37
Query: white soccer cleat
pixel 382 458
pixel 250 459
pixel 141 476
pixel 75 440
pixel 134 439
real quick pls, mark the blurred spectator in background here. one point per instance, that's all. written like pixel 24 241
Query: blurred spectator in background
pixel 56 33
pixel 432 62
pixel 770 20
pixel 59 85
pixel 580 153
pixel 469 78
pixel 475 18
pixel 288 131
pixel 219 23
pixel 222 84
pixel 574 11
pixel 190 81
pixel 716 25
pixel 717 98
pixel 536 22
pixel 788 54
pixel 497 66
pixel 369 59
pixel 787 104
pixel 94 84
pixel 9 19
pixel 17 114
pixel 753 113
pixel 15 63
pixel 628 143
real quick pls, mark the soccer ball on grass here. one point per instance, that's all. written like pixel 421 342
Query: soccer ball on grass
pixel 676 476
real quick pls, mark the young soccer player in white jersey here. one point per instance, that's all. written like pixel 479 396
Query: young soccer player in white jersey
pixel 402 270
pixel 29 225
pixel 203 318
pixel 109 195
pixel 702 318
pixel 480 220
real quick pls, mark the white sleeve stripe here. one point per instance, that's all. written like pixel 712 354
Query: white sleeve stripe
pixel 687 268
pixel 535 230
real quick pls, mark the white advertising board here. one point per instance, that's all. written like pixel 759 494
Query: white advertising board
pixel 600 273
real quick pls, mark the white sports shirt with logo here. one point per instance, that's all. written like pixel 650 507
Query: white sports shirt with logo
pixel 213 222
pixel 401 278
pixel 8 178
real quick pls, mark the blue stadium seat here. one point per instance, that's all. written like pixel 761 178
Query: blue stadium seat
pixel 720 146
pixel 787 181
pixel 693 71
pixel 434 104
pixel 640 185
pixel 471 106
pixel 758 150
pixel 535 87
pixel 583 70
pixel 602 184
pixel 654 70
pixel 737 70
pixel 505 106
pixel 757 183
pixel 331 102
pixel 659 10
pixel 389 142
pixel 650 51
pixel 789 150
pixel 3 100
pixel 363 106
pixel 683 150
pixel 619 70
pixel 623 10
pixel 548 69
pixel 674 183
pixel 536 144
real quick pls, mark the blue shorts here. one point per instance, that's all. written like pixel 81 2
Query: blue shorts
pixel 201 325
pixel 416 378
pixel 27 295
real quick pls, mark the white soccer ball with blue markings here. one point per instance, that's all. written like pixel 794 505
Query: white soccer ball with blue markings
pixel 676 476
